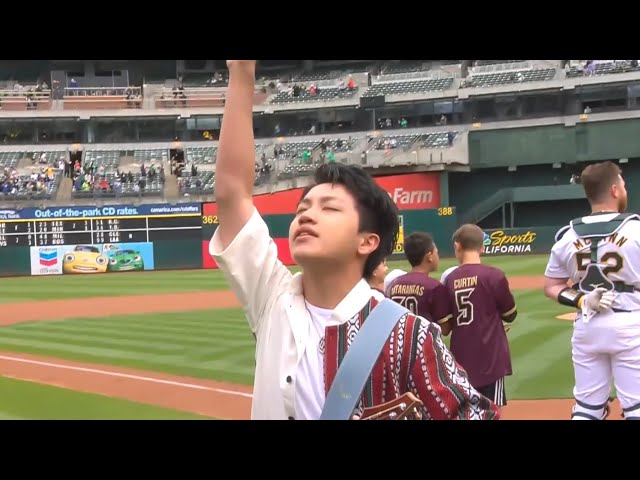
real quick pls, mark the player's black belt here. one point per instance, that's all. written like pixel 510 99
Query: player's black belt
pixel 622 287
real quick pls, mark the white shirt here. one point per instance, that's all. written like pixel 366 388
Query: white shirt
pixel 619 252
pixel 446 273
pixel 310 389
pixel 274 305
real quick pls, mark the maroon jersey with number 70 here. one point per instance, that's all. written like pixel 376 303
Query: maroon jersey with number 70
pixel 480 296
pixel 423 295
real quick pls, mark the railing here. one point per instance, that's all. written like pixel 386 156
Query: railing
pixel 487 206
pixel 195 97
pixel 500 67
pixel 102 98
pixel 422 75
pixel 25 99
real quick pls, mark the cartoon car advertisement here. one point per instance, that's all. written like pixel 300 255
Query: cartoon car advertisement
pixel 92 259
pixel 125 260
pixel 84 259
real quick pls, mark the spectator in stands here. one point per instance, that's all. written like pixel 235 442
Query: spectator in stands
pixel 341 85
pixel 312 89
pixel 351 84
pixel 403 122
pixel 73 86
pixel 587 110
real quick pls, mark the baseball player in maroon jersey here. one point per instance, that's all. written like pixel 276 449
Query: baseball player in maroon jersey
pixel 416 290
pixel 481 301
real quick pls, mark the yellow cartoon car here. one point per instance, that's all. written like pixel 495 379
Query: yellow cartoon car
pixel 84 259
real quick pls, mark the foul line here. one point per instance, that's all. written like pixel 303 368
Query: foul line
pixel 127 375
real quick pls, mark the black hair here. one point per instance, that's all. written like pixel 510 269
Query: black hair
pixel 377 211
pixel 416 246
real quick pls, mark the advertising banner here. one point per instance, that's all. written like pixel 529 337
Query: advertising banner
pixel 519 241
pixel 91 259
pixel 412 191
pixel 399 248
pixel 159 209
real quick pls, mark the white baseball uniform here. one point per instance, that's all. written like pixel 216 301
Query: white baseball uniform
pixel 608 346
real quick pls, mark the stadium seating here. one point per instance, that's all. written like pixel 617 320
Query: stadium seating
pixel 506 77
pixel 10 160
pixel 316 76
pixel 484 63
pixel 346 144
pixel 324 93
pixel 436 140
pixel 109 159
pixel 604 68
pixel 188 184
pixel 150 155
pixel 201 155
pixel 409 86
pixel 128 189
pixel 405 67
pixel 291 150
pixel 394 141
pixel 296 170
pixel 24 185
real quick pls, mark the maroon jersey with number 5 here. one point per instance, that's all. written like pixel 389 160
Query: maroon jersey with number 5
pixel 421 294
pixel 480 296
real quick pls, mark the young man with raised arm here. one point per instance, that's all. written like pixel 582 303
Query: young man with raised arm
pixel 344 226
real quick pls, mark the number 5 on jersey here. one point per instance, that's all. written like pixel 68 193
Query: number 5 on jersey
pixel 464 306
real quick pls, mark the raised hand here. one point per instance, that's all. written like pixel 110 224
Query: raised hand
pixel 248 66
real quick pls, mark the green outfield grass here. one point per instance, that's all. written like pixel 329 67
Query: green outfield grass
pixel 21 400
pixel 22 289
pixel 217 344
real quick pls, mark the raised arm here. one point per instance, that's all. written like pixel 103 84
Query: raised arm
pixel 241 245
pixel 235 169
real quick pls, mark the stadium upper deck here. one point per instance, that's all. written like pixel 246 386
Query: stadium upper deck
pixel 397 82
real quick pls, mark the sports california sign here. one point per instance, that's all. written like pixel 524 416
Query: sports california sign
pixel 512 241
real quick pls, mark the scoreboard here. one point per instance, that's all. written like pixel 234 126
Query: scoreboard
pixel 112 229
pixel 73 226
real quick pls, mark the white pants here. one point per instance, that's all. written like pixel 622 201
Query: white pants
pixel 605 349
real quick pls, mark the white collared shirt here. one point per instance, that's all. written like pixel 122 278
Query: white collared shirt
pixel 273 302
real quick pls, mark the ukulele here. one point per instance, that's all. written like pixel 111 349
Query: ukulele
pixel 405 407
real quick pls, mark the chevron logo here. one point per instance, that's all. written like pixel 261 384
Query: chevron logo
pixel 48 259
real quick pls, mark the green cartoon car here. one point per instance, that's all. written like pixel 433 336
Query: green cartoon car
pixel 125 260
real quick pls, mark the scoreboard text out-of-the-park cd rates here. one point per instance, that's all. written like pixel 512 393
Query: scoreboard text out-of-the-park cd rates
pixel 73 231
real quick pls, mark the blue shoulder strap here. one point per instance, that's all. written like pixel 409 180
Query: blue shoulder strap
pixel 358 362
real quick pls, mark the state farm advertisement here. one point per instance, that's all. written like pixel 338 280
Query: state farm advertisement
pixel 413 191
